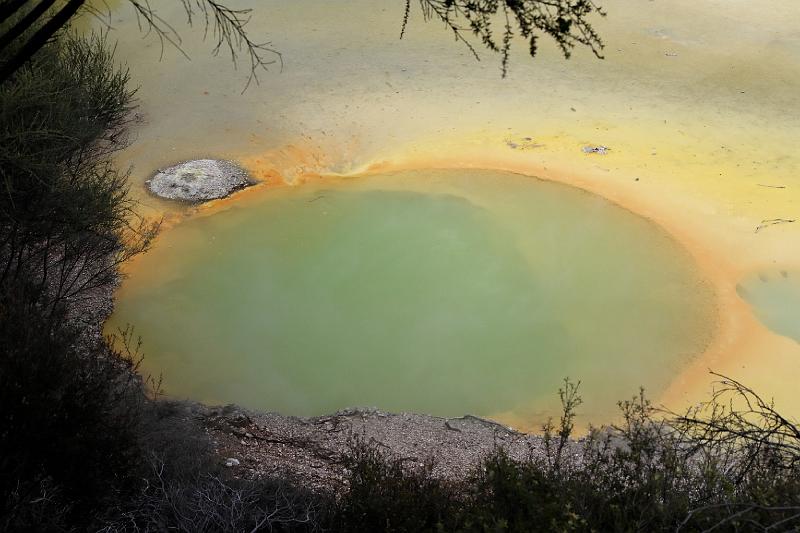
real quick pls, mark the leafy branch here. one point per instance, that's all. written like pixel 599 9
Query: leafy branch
pixel 565 21
pixel 34 27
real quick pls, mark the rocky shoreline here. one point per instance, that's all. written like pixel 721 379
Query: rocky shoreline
pixel 255 445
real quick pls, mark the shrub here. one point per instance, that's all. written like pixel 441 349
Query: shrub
pixel 508 495
pixel 390 495
pixel 730 464
pixel 66 220
pixel 70 403
pixel 69 415
pixel 211 502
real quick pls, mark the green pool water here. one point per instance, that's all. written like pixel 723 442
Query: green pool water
pixel 775 298
pixel 444 292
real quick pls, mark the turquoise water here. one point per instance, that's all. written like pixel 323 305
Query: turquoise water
pixel 445 292
pixel 775 298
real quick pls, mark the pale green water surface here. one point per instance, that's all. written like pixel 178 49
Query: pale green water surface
pixel 775 297
pixel 445 292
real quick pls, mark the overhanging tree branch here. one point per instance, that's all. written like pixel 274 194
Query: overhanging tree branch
pixel 26 22
pixel 10 7
pixel 40 38
pixel 226 25
pixel 565 21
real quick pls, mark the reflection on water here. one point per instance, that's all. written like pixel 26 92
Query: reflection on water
pixel 775 297
pixel 445 292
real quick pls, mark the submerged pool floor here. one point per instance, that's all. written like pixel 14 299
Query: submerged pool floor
pixel 444 292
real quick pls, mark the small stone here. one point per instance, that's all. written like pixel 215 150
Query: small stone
pixel 230 461
pixel 600 149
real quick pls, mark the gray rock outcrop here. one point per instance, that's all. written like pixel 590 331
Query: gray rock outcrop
pixel 199 180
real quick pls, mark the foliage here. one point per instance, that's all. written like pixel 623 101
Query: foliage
pixel 69 416
pixel 389 495
pixel 31 25
pixel 66 220
pixel 507 495
pixel 70 403
pixel 570 401
pixel 565 21
pixel 212 502
pixel 716 467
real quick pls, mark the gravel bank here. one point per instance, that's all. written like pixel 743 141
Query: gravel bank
pixel 311 449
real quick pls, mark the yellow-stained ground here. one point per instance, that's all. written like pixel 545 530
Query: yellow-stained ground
pixel 698 100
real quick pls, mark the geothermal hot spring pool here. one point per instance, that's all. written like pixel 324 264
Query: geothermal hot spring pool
pixel 444 292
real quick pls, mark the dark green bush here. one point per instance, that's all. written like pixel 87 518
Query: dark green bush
pixel 70 403
pixel 69 418
pixel 390 495
pixel 508 495
pixel 66 220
